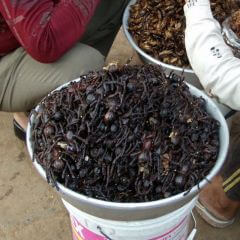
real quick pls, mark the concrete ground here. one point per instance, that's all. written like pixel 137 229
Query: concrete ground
pixel 31 210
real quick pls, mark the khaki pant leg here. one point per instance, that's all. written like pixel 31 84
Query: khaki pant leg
pixel 24 81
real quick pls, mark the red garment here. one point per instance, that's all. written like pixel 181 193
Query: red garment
pixel 46 29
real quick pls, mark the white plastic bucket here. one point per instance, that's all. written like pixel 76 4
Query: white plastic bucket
pixel 163 219
pixel 172 226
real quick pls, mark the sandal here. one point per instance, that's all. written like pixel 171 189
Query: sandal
pixel 210 218
pixel 19 131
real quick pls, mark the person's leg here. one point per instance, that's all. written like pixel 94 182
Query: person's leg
pixel 24 81
pixel 217 201
pixel 222 196
pixel 231 170
pixel 105 25
pixel 22 119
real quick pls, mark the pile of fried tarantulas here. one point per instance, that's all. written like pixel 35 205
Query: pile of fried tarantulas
pixel 126 134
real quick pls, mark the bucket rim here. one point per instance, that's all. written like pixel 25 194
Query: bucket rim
pixel 140 51
pixel 223 149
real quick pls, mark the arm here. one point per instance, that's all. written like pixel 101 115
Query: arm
pixel 211 59
pixel 7 41
pixel 45 29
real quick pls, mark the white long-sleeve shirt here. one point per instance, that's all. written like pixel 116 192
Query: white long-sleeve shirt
pixel 211 59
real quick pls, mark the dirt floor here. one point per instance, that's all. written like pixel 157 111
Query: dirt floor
pixel 31 210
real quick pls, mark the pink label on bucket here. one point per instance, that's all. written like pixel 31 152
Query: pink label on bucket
pixel 82 233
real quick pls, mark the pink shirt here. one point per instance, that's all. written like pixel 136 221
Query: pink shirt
pixel 46 29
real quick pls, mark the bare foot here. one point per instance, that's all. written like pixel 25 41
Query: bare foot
pixel 22 119
pixel 215 200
